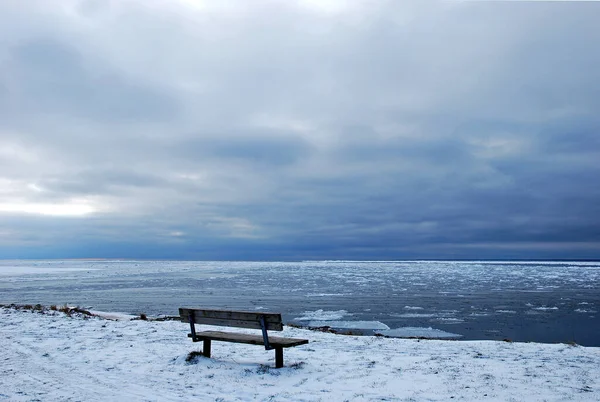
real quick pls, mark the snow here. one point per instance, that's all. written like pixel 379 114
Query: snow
pixel 113 316
pixel 53 357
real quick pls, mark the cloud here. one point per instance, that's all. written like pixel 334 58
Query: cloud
pixel 293 130
pixel 56 81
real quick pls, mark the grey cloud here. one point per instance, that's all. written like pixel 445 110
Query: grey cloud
pixel 397 131
pixel 90 182
pixel 279 148
pixel 55 77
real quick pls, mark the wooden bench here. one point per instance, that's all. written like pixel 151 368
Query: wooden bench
pixel 241 319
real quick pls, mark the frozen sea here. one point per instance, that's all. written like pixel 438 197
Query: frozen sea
pixel 520 301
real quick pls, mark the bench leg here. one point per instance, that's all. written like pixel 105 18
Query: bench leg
pixel 278 357
pixel 206 348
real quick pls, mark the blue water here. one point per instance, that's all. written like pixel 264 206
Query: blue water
pixel 521 301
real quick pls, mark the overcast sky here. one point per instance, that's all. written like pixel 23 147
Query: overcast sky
pixel 308 129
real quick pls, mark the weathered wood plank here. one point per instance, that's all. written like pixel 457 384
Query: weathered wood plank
pixel 234 315
pixel 241 319
pixel 278 342
pixel 238 323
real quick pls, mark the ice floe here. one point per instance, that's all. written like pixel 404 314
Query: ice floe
pixel 322 315
pixel 418 332
pixel 367 325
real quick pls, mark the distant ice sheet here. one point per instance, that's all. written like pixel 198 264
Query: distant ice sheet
pixel 375 325
pixel 323 315
pixel 29 270
pixel 324 318
pixel 419 332
pixel 449 320
pixel 413 315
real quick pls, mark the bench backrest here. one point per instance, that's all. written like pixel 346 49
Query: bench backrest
pixel 227 318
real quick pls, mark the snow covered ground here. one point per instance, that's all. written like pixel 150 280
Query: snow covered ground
pixel 53 357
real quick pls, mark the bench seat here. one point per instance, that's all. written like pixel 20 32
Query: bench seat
pixel 240 319
pixel 275 341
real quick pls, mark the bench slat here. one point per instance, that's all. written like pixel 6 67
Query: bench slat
pixel 241 319
pixel 250 339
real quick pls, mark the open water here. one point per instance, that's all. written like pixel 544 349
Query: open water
pixel 520 301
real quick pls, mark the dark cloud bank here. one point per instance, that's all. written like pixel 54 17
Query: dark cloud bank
pixel 302 130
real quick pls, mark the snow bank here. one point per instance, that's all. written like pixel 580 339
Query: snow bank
pixel 113 316
pixel 52 357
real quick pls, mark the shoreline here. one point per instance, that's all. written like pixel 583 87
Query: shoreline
pixel 69 310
